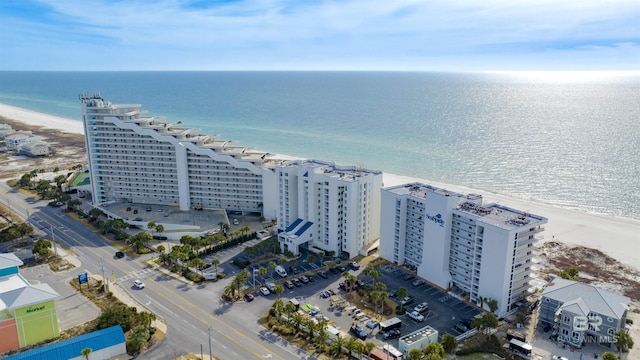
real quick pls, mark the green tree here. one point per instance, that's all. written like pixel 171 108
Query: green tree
pixel 137 339
pixel 369 347
pixel 337 344
pixel 374 274
pixel 350 345
pixel 623 341
pixel 414 354
pixel 278 290
pixel 215 263
pixel 433 357
pixel 272 266
pixel 86 352
pixel 609 356
pixel 449 343
pixel 140 240
pixel 493 305
pixel 297 319
pixel 263 272
pixel 159 229
pixel 482 300
pixel 520 318
pixel 161 249
pixel 435 348
pixel 42 248
pixel 311 259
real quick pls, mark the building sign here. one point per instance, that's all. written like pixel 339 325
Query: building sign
pixel 82 278
pixel 436 219
pixel 31 309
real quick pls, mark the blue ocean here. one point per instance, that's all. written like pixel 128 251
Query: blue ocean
pixel 569 140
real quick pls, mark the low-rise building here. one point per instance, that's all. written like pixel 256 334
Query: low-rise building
pixel 27 312
pixel 581 313
pixel 35 148
pixel 16 138
pixel 417 339
pixel 4 130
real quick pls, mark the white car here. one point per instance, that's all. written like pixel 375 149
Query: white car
pixel 416 316
pixel 264 291
pixel 422 307
pixel 558 357
pixel 271 286
pixel 139 284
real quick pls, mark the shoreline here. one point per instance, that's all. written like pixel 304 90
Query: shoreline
pixel 612 235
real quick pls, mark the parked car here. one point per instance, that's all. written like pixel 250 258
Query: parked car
pixel 139 284
pixel 393 293
pixel 461 327
pixel 289 284
pixel 371 324
pixel 304 279
pixel 358 332
pixel 341 269
pixel 417 282
pixel 416 316
pixel 391 334
pixel 264 291
pixel 248 297
pixel 235 222
pixel 558 357
pixel 296 282
pixel 325 294
pixel 407 300
pixel 119 254
pixel 334 270
pixel 354 265
pixel 271 286
pixel 311 278
pixel 408 277
pixel 323 274
pixel 348 286
pixel 422 307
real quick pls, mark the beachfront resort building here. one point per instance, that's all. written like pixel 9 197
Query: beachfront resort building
pixel 581 313
pixel 27 312
pixel 328 207
pixel 454 241
pixel 139 159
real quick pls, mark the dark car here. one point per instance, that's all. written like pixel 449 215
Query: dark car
pixel 296 282
pixel 294 270
pixel 341 269
pixel 323 274
pixel 358 332
pixel 393 293
pixel 119 254
pixel 408 277
pixel 334 270
pixel 311 278
pixel 461 327
pixel 391 334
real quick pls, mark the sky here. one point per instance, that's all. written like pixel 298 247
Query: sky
pixel 363 35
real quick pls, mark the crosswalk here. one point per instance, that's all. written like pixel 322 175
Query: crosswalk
pixel 133 275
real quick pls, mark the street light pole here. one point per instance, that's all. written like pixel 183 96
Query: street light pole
pixel 53 239
pixel 210 356
pixel 104 279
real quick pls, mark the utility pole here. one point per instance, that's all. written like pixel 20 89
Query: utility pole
pixel 210 356
pixel 104 279
pixel 53 240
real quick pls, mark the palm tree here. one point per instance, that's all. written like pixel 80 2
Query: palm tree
pixel 414 354
pixel 481 300
pixel 322 336
pixel 86 352
pixel 336 345
pixel 623 341
pixel 277 307
pixel 278 290
pixel 401 293
pixel 297 319
pixel 369 347
pixel 272 266
pixel 262 271
pixel 310 326
pixel 374 274
pixel 311 259
pixel 493 305
pixel 350 344
pixel 215 263
pixel 383 298
pixel 159 229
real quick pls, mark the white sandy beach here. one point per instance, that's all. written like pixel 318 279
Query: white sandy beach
pixel 617 237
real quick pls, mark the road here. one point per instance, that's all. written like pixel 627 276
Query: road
pixel 191 312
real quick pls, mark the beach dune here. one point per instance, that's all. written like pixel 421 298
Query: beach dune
pixel 616 237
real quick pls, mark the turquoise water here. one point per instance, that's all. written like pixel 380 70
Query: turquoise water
pixel 570 142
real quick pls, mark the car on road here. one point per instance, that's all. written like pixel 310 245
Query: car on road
pixel 139 284
pixel 289 284
pixel 391 334
pixel 393 293
pixel 119 254
pixel 422 307
pixel 408 277
pixel 558 357
pixel 416 316
pixel 137 219
pixel 264 291
pixel 148 209
pixel 135 211
pixel 406 300
pixel 129 208
pixel 417 282
pixel 248 297
pixel 296 282
pixel 358 332
pixel 235 222
pixel 304 279
pixel 271 286
pixel 354 265
pixel 323 274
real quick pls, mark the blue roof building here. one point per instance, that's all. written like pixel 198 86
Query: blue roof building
pixel 104 344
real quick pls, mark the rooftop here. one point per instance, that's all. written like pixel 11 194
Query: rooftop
pixel 502 216
pixel 420 190
pixel 347 173
pixel 575 294
pixel 8 260
pixel 423 333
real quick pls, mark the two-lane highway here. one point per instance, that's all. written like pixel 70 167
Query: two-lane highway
pixel 191 312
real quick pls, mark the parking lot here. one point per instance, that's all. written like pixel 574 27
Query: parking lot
pixel 444 311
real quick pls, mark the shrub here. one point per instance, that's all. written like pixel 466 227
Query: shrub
pixel 629 321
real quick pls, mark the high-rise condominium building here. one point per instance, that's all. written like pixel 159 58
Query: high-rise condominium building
pixel 325 206
pixel 454 240
pixel 140 159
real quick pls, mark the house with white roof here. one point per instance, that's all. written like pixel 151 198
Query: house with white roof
pixel 581 313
